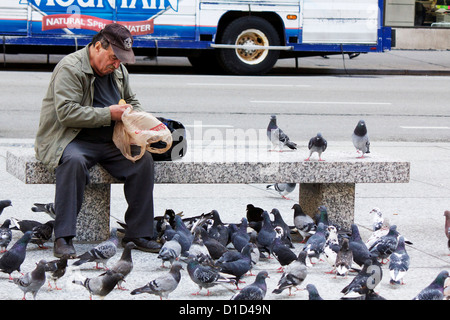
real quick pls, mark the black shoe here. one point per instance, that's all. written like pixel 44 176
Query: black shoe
pixel 64 247
pixel 143 244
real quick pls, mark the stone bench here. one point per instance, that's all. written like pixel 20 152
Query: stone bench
pixel 330 183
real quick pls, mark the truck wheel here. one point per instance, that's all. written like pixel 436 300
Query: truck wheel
pixel 249 31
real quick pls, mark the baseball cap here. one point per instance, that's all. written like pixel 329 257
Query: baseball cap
pixel 121 41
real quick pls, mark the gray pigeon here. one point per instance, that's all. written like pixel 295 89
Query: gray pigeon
pixel 101 253
pixel 399 262
pixel 386 244
pixel 206 275
pixel 240 237
pixel 344 259
pixel 124 265
pixel 170 250
pixel 315 244
pixel 294 274
pixel 198 247
pixel 5 235
pixel 365 281
pixel 279 222
pixel 282 188
pixel 317 144
pixel 101 285
pixel 219 230
pixel 11 260
pixel 163 285
pixel 239 265
pixel 57 269
pixel 48 208
pixel 266 235
pixel 360 138
pixel 435 290
pixel 313 293
pixel 304 223
pixel 358 247
pixel 32 281
pixel 4 204
pixel 277 137
pixel 255 291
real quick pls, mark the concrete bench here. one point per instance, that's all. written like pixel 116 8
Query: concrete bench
pixel 330 183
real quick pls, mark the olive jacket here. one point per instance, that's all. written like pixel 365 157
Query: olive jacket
pixel 68 106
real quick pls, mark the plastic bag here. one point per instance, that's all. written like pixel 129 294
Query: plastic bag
pixel 142 129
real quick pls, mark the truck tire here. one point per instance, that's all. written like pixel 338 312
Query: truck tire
pixel 249 30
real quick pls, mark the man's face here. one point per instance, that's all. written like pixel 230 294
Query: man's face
pixel 103 61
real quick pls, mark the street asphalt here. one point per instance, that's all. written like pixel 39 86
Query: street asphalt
pixel 416 208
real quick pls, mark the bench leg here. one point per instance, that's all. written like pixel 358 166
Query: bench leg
pixel 93 219
pixel 338 198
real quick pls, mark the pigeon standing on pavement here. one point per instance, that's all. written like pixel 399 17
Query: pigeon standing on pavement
pixel 344 259
pixel 101 253
pixel 447 227
pixel 435 290
pixel 102 284
pixel 358 247
pixel 215 248
pixel 186 237
pixel 304 223
pixel 254 215
pixel 279 222
pixel 219 230
pixel 399 262
pixel 360 138
pixel 331 247
pixel 41 232
pixel 5 235
pixel 281 251
pixel 378 219
pixel 277 137
pixel 266 235
pixel 11 260
pixel 293 275
pixel 255 291
pixel 48 208
pixel 198 247
pixel 317 144
pixel 164 284
pixel 56 269
pixel 365 281
pixel 4 204
pixel 282 188
pixel 31 282
pixel 124 265
pixel 170 250
pixel 240 237
pixel 315 244
pixel 313 293
pixel 239 266
pixel 385 245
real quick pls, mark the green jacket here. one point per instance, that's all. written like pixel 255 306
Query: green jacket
pixel 68 106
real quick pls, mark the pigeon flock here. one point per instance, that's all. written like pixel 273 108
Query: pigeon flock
pixel 232 261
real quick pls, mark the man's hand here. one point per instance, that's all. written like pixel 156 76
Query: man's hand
pixel 117 111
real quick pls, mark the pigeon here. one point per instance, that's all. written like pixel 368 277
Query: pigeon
pixel 255 291
pixel 366 279
pixel 378 219
pixel 376 235
pixel 24 225
pixel 124 265
pixel 435 290
pixel 239 266
pixel 304 223
pixel 4 204
pixel 293 275
pixel 240 237
pixel 215 248
pixel 279 222
pixel 57 269
pixel 399 263
pixel 385 245
pixel 447 289
pixel 11 260
pixel 164 284
pixel 48 208
pixel 198 247
pixel 317 144
pixel 206 275
pixel 170 250
pixel 360 138
pixel 255 255
pixel 281 251
pixel 313 293
pixel 101 285
pixel 32 281
pixel 254 214
pixel 218 230
pixel 315 244
pixel 358 247
pixel 42 232
pixel 5 235
pixel 282 188
pixel 277 137
pixel 447 227
pixel 266 235
pixel 344 259
pixel 331 247
pixel 186 237
pixel 322 216
pixel 101 253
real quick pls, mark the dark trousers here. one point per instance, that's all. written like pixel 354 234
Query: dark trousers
pixel 72 175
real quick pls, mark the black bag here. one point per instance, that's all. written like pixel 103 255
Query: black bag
pixel 179 144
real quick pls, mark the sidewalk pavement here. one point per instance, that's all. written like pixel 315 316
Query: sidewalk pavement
pixel 416 208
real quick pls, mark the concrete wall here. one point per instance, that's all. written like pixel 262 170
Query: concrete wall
pixel 422 38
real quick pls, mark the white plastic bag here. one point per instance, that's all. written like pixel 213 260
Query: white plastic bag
pixel 140 128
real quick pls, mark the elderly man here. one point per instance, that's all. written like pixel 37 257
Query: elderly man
pixel 75 133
